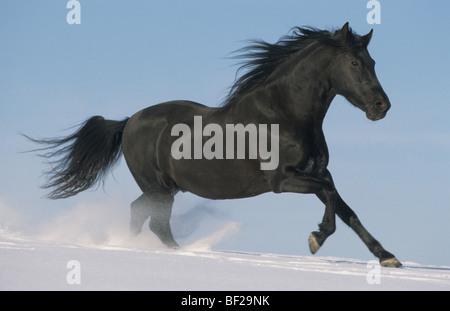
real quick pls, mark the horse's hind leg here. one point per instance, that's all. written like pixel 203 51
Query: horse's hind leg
pixel 161 211
pixel 157 206
pixel 140 212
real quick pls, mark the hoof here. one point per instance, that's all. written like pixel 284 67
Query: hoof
pixel 174 246
pixel 313 244
pixel 171 244
pixel 390 263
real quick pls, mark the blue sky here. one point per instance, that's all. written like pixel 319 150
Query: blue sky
pixel 128 55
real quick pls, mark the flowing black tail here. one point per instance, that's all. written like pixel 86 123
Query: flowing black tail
pixel 82 160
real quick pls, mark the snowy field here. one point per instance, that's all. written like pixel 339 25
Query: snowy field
pixel 81 249
pixel 27 264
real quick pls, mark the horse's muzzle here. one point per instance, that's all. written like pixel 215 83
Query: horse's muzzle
pixel 378 110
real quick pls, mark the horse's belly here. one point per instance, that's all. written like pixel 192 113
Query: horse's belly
pixel 221 179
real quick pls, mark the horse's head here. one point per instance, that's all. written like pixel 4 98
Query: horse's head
pixel 353 75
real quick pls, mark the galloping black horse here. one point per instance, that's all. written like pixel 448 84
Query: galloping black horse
pixel 290 84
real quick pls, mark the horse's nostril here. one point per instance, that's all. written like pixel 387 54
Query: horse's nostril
pixel 380 105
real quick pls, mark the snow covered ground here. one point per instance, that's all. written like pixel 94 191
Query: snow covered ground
pixel 89 248
pixel 27 264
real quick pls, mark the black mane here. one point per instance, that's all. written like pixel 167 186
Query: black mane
pixel 261 58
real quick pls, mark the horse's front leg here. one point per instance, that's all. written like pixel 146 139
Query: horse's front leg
pixel 335 204
pixel 295 180
pixel 328 225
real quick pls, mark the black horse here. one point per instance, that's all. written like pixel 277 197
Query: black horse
pixel 288 87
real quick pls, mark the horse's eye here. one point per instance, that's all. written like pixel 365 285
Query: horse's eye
pixel 354 63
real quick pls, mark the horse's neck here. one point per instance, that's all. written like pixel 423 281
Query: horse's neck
pixel 308 85
pixel 299 89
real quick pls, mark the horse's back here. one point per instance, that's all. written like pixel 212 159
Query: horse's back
pixel 155 118
pixel 171 111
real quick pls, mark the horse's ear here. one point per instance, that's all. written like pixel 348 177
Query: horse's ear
pixel 344 32
pixel 345 29
pixel 366 39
